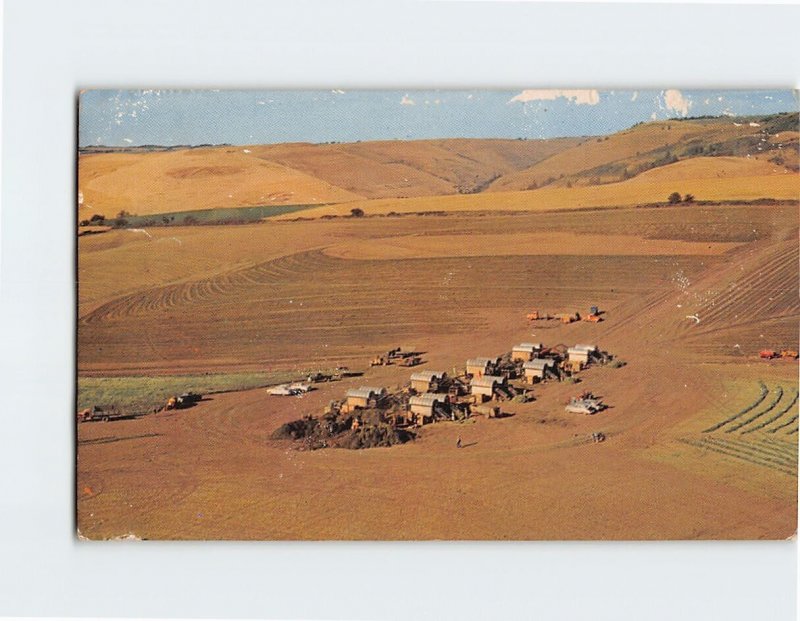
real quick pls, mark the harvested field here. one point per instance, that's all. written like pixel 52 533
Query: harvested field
pixel 312 307
pixel 611 195
pixel 519 244
pixel 244 300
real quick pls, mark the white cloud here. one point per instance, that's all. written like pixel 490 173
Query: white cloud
pixel 676 102
pixel 635 96
pixel 706 101
pixel 580 97
pixel 337 91
pixel 128 140
pixel 653 116
pixel 407 101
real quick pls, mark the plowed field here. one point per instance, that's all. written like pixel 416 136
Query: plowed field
pixel 687 317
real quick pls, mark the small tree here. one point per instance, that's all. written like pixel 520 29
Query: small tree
pixel 357 212
pixel 689 198
pixel 97 218
pixel 674 198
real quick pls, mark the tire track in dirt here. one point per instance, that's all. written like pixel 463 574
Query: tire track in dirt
pixel 170 296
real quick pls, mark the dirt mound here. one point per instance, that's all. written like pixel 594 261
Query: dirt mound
pixel 371 436
pixel 336 431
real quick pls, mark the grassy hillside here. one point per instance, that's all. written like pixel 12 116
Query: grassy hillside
pixel 628 153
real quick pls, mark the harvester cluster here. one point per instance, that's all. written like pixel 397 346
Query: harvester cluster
pixel 374 416
pixel 594 316
pixel 784 354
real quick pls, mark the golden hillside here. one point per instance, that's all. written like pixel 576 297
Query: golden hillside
pixel 150 182
pixel 182 180
pixel 146 181
pixel 631 152
pixel 399 169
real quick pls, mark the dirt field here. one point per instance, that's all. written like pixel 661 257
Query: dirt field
pixel 688 319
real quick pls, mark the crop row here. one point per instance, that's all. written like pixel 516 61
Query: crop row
pixel 754 454
pixel 775 417
pixel 760 413
pixel 752 406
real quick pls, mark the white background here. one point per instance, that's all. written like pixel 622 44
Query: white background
pixel 54 48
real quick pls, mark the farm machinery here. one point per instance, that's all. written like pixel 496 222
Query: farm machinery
pixel 410 361
pixel 338 373
pixel 784 354
pixel 185 400
pixel 103 413
pixel 291 390
pixel 536 315
pixel 585 403
pixel 402 356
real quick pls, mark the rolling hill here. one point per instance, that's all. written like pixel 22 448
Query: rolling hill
pixel 628 153
pixel 641 162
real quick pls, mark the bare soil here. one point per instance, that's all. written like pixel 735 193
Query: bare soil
pixel 689 324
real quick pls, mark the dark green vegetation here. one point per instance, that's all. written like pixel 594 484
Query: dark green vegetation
pixel 140 394
pixel 224 215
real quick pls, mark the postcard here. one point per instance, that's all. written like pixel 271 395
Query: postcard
pixel 437 315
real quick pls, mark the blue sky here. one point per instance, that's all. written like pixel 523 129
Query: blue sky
pixel 170 117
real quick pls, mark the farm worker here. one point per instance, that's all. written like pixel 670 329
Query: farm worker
pixel 458 442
